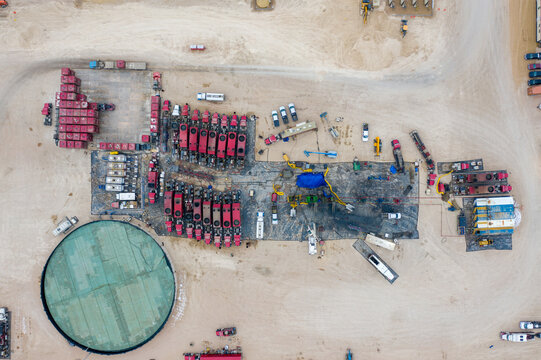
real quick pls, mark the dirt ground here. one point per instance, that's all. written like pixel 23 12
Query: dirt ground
pixel 457 78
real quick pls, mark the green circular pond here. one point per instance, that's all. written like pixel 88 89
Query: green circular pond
pixel 108 287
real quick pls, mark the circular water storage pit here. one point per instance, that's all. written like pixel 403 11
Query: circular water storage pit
pixel 108 287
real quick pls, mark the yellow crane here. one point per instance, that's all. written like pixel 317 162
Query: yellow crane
pixel 377 146
pixel 365 6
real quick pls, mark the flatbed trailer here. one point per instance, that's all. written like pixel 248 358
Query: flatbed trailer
pixel 367 252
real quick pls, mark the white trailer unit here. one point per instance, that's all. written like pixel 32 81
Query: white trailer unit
pixel 116 166
pixel 374 240
pixel 112 187
pixel 260 226
pixel 210 96
pixel 125 196
pixel 116 172
pixel 114 180
pixel 117 158
pixel 135 65
pixel 62 226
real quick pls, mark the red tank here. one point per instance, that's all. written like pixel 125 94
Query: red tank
pixel 231 143
pixel 211 147
pixel 208 237
pixel 177 205
pixel 203 137
pixel 183 136
pixel 222 139
pixel 193 139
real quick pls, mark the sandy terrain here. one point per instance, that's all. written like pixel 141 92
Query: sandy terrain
pixel 458 78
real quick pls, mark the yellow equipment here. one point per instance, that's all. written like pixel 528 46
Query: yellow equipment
pixel 292 165
pixel 377 146
pixel 486 242
pixel 365 6
pixel 113 153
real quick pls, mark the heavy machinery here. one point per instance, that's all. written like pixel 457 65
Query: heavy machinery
pixel 397 152
pixel 329 154
pixel 366 5
pixel 404 27
pixel 377 146
pixel 230 331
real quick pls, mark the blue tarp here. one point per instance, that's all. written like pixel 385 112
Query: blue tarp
pixel 311 180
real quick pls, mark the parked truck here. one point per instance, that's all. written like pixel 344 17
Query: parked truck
pixel 117 65
pixel 64 225
pixel 125 196
pixel 397 152
pixel 534 90
pixel 210 96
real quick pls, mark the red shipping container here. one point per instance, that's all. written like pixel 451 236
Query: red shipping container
pixel 155 100
pixel 76 120
pixel 62 136
pixel 70 144
pixel 145 138
pixel 76 104
pixel 109 146
pixel 154 114
pixel 63 104
pixel 121 64
pixel 80 144
pixel 76 112
pixel 77 136
pixel 66 71
pixel 83 112
pixel 84 105
pixel 81 97
pixel 86 137
pixel 62 112
pixel 77 128
pixel 82 121
pixel 62 128
pixel 93 106
pixel 69 136
pixel 131 146
pixel 124 146
pixel 103 145
pixel 117 146
pixel 69 128
pixel 62 144
pixel 63 96
pixel 154 121
pixel 91 112
pixel 69 112
pixel 154 107
pixel 91 129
